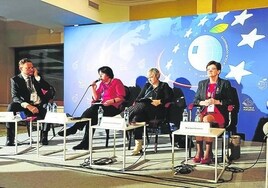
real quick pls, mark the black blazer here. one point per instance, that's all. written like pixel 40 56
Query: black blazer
pixel 163 92
pixel 20 93
pixel 223 93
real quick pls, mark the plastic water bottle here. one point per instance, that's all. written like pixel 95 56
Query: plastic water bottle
pixel 54 107
pixel 100 115
pixel 185 115
pixel 197 115
pixel 126 116
pixel 49 107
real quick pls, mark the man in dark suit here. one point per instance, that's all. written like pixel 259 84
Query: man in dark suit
pixel 30 93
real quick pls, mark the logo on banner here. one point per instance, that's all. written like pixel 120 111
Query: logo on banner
pixel 248 105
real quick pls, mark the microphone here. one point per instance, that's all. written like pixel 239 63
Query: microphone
pixel 99 79
pixel 83 96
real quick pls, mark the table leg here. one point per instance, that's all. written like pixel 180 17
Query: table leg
pixel 90 145
pixel 64 142
pixel 114 141
pixel 186 149
pixel 216 158
pixel 172 153
pixel 31 132
pixel 266 184
pixel 37 142
pixel 124 150
pixel 89 131
pixel 16 137
pixel 144 141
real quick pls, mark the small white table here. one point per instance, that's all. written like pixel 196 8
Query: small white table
pixel 215 133
pixel 116 128
pixel 16 120
pixel 64 123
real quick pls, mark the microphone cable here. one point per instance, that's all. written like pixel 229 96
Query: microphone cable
pixel 83 97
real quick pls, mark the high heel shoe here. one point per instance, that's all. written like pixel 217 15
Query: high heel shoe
pixel 205 161
pixel 197 159
pixel 138 147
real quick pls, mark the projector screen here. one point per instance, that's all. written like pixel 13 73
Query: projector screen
pixel 180 47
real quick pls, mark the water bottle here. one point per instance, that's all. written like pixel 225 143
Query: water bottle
pixel 197 115
pixel 126 116
pixel 49 107
pixel 100 115
pixel 185 115
pixel 54 107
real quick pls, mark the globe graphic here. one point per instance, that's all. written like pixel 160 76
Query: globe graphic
pixel 202 50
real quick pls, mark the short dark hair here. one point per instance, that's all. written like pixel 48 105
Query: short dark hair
pixel 217 64
pixel 24 60
pixel 106 70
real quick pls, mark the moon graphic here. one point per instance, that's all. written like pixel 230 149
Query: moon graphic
pixel 204 49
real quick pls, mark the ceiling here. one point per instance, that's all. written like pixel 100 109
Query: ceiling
pixel 36 12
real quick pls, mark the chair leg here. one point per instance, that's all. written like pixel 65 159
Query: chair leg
pixel 28 129
pixel 190 146
pixel 156 140
pixel 147 136
pixel 170 137
pixel 107 137
pixel 129 139
pixel 53 129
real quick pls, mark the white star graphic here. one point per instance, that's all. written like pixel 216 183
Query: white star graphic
pixel 203 21
pixel 167 78
pixel 188 33
pixel 238 72
pixel 169 64
pixel 241 18
pixel 176 48
pixel 221 15
pixel 250 38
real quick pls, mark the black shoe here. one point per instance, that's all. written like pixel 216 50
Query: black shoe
pixel 69 131
pixel 10 143
pixel 82 146
pixel 44 141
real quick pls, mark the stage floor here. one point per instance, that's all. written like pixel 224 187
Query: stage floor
pixel 29 170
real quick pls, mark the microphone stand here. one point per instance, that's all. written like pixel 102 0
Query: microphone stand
pixel 81 99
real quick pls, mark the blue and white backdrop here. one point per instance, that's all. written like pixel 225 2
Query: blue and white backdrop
pixel 179 47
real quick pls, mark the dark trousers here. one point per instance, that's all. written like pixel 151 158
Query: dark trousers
pixel 142 111
pixel 16 107
pixel 92 112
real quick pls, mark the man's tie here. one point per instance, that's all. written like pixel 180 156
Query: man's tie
pixel 29 84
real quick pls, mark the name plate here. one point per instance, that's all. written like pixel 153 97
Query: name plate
pixel 6 116
pixel 113 122
pixel 194 127
pixel 56 117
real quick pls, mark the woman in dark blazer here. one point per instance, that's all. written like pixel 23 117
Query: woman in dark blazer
pixel 150 104
pixel 213 96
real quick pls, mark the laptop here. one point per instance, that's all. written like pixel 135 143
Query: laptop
pixel 194 127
